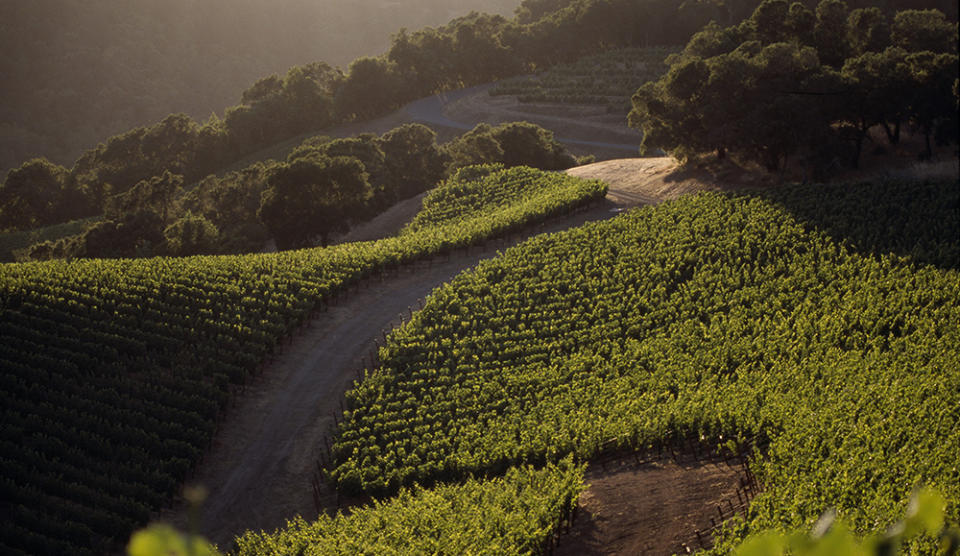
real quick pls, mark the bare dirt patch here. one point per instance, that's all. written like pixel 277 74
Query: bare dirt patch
pixel 635 181
pixel 386 224
pixel 583 123
pixel 654 507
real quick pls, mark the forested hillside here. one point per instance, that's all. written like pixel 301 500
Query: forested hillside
pixel 75 72
pixel 468 50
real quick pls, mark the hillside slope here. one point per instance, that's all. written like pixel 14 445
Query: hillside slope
pixel 261 463
pixel 77 72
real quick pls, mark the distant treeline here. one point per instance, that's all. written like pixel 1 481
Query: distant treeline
pixel 791 82
pixel 323 187
pixel 76 72
pixel 473 49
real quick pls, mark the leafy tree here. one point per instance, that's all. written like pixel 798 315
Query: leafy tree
pixel 932 105
pixel 413 159
pixel 530 11
pixel 424 59
pixel 263 90
pixel 667 109
pixel 365 148
pixel 191 235
pixel 311 197
pixel 868 31
pixel 511 144
pixel 830 32
pixel 778 108
pixel 791 98
pixel 714 40
pixel 477 146
pixel 479 56
pixel 881 86
pixel 230 203
pixel 527 144
pixel 801 23
pixel 140 154
pixel 156 195
pixel 920 30
pixel 769 21
pixel 370 89
pixel 33 194
pixel 308 96
pixel 137 234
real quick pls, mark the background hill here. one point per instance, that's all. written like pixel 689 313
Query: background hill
pixel 75 73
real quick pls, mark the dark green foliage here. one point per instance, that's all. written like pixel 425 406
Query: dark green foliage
pixel 274 108
pixel 312 197
pixel 920 30
pixel 133 234
pixel 469 50
pixel 813 95
pixel 477 146
pixel 14 245
pixel 403 162
pixel 190 235
pixel 37 194
pixel 528 144
pixel 510 144
pixel 412 159
pixel 372 88
pixel 868 31
pixel 230 203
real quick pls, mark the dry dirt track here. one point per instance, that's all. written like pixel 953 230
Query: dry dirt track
pixel 259 468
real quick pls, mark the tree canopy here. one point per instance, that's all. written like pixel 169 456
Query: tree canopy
pixel 789 82
pixel 312 197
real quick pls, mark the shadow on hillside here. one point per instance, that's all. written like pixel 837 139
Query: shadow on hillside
pixel 917 219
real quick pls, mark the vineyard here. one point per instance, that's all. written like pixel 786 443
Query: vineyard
pixel 114 372
pixel 491 192
pixel 609 78
pixel 514 514
pixel 821 319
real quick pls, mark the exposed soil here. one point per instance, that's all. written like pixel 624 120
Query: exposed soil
pixel 386 224
pixel 654 507
pixel 577 126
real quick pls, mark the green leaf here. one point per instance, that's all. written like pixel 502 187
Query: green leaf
pixel 925 512
pixel 770 543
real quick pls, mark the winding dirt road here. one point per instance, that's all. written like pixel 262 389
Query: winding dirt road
pixel 259 468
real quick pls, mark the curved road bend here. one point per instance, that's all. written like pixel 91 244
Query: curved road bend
pixel 429 110
pixel 259 468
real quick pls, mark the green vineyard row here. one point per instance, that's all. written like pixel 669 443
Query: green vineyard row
pixel 113 372
pixel 823 318
pixel 515 514
pixel 611 77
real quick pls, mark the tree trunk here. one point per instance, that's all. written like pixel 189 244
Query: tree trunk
pixel 855 162
pixel 927 153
